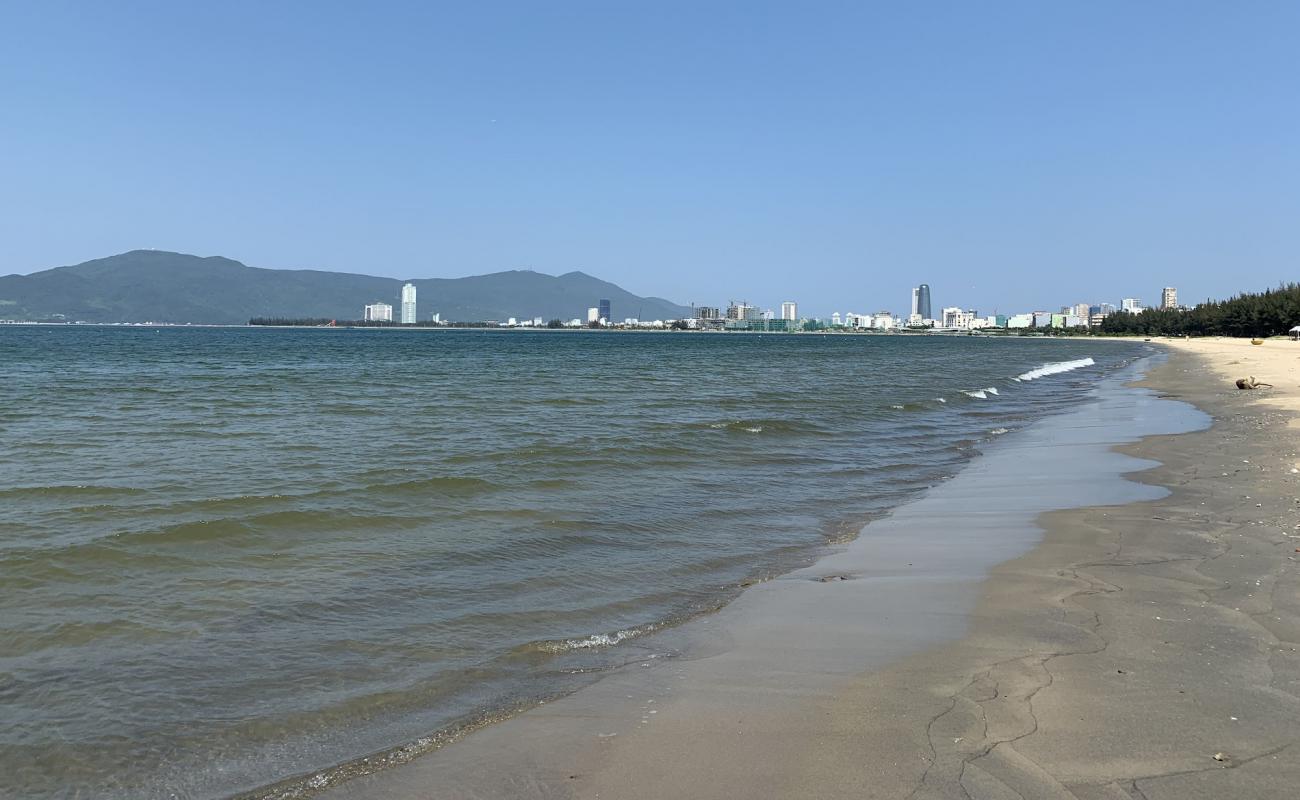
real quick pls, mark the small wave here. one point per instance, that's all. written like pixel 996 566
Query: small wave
pixel 998 431
pixel 452 485
pixel 550 483
pixel 940 399
pixel 581 400
pixel 992 390
pixel 776 426
pixel 1055 369
pixel 594 641
pixel 977 394
pixel 70 491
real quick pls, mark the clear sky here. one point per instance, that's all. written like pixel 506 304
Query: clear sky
pixel 1012 155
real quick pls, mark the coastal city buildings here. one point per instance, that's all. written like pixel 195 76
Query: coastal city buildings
pixel 921 302
pixel 737 311
pixel 378 312
pixel 745 316
pixel 954 317
pixel 408 304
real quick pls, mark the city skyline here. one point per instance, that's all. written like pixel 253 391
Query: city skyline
pixel 741 314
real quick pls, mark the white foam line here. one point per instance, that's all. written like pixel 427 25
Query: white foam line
pixel 1055 369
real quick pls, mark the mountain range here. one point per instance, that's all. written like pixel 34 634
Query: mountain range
pixel 161 286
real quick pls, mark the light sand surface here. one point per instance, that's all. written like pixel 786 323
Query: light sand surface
pixel 1143 651
pixel 1276 361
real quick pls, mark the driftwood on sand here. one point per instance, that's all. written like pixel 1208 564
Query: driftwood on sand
pixel 1251 383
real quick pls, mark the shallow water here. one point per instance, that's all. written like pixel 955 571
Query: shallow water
pixel 235 555
pixel 740 703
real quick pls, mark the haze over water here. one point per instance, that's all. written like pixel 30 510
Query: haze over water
pixel 231 556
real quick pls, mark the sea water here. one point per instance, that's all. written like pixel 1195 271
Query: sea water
pixel 229 556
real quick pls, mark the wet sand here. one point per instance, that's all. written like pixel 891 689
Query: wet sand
pixel 1142 649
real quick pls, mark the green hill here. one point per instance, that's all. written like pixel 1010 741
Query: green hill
pixel 158 286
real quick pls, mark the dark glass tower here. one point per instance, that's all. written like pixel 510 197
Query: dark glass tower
pixel 604 311
pixel 923 301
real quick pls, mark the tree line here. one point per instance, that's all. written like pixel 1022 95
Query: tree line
pixel 1267 313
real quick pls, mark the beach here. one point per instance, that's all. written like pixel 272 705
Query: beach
pixel 1142 649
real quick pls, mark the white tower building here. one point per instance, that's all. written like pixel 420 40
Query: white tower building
pixel 408 304
pixel 789 310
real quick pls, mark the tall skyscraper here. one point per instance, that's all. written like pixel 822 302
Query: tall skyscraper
pixel 408 304
pixel 1169 297
pixel 789 310
pixel 921 301
pixel 603 305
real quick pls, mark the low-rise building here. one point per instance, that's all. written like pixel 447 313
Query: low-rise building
pixel 378 312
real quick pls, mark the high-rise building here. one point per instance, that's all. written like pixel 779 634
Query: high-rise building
pixel 408 304
pixel 378 312
pixel 1169 297
pixel 593 314
pixel 1130 304
pixel 921 301
pixel 789 310
pixel 603 305
pixel 740 311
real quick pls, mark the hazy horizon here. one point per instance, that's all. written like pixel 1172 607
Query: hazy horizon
pixel 1013 156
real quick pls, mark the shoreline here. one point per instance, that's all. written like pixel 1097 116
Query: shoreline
pixel 1140 651
pixel 597 761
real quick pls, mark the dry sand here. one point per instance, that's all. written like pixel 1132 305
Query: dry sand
pixel 1141 651
pixel 1276 361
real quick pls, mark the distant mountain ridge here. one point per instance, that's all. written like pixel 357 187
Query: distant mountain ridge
pixel 161 286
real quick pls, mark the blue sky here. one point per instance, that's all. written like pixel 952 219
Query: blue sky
pixel 1012 155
